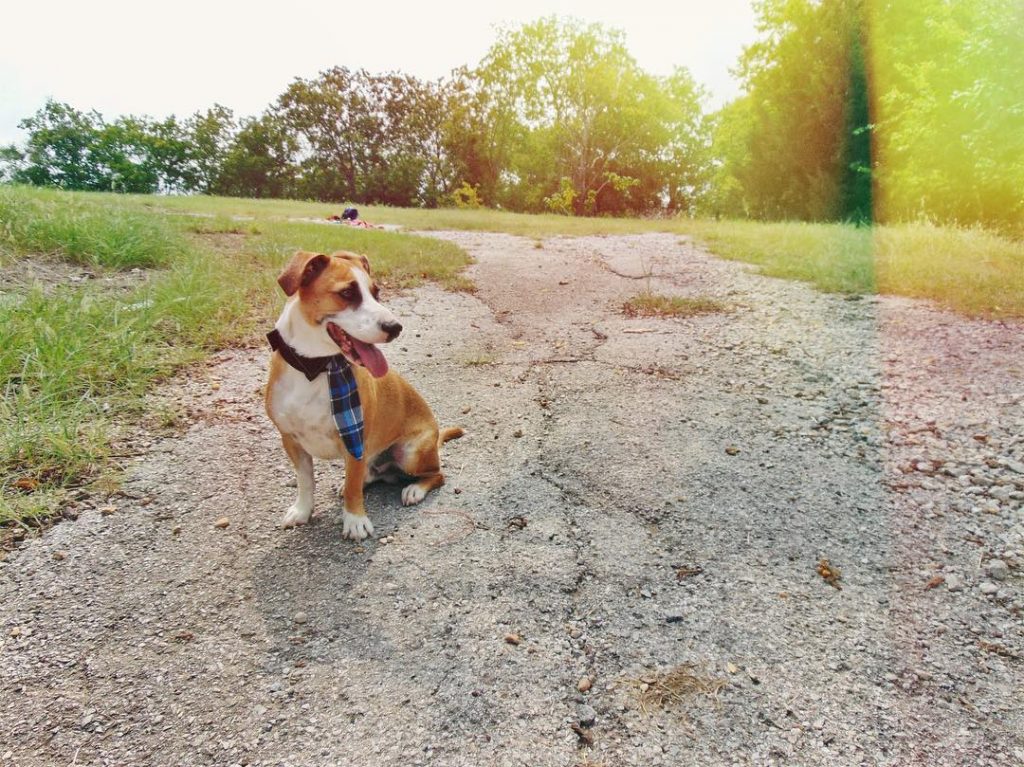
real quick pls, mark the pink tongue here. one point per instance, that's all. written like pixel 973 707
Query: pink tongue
pixel 371 356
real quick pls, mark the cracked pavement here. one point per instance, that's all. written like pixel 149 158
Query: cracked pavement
pixel 632 494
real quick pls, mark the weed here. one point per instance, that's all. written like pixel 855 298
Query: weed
pixel 675 687
pixel 655 305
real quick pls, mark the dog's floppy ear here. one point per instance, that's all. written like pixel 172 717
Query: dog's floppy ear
pixel 357 258
pixel 301 270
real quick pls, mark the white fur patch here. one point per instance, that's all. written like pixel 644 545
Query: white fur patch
pixel 364 321
pixel 296 515
pixel 413 494
pixel 355 526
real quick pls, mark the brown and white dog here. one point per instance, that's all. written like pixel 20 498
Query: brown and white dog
pixel 332 307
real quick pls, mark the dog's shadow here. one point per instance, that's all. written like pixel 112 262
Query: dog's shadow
pixel 310 584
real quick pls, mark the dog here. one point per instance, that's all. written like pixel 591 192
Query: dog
pixel 325 348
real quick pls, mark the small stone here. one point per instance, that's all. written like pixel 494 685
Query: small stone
pixel 176 530
pixel 954 582
pixel 586 715
pixel 222 523
pixel 107 510
pixel 732 668
pixel 59 556
pixel 675 616
pixel 513 638
pixel 584 684
pixel 15 632
pixel 517 433
pixel 997 569
pixel 732 450
pixel 987 587
pixel 300 617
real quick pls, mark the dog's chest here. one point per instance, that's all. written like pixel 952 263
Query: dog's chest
pixel 302 409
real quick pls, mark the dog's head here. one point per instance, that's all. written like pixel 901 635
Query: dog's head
pixel 337 297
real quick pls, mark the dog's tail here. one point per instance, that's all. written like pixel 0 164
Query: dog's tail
pixel 452 432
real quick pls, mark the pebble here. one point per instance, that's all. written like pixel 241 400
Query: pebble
pixel 60 555
pixel 586 715
pixel 513 638
pixel 108 510
pixel 954 582
pixel 996 568
pixel 987 587
pixel 674 616
pixel 584 684
pixel 300 617
pixel 222 523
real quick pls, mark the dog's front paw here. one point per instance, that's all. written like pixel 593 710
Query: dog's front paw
pixel 355 526
pixel 296 515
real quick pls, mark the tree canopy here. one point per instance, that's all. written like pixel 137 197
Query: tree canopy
pixel 859 110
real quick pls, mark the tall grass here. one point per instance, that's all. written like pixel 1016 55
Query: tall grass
pixel 83 230
pixel 972 271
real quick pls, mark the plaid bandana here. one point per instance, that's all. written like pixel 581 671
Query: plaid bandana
pixel 348 412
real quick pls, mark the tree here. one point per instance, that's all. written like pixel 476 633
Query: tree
pixel 261 160
pixel 60 150
pixel 950 100
pixel 806 99
pixel 573 117
pixel 210 135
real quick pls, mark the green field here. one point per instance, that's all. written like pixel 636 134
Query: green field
pixel 972 271
pixel 102 296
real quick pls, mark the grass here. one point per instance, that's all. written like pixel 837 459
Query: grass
pixel 675 687
pixel 81 231
pixel 656 305
pixel 76 360
pixel 972 271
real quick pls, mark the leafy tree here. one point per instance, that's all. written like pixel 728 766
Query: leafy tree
pixel 806 99
pixel 60 150
pixel 370 138
pixel 564 100
pixel 261 160
pixel 950 121
pixel 210 135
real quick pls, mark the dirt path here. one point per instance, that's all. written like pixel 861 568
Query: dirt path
pixel 632 495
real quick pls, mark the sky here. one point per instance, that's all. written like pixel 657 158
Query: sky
pixel 178 58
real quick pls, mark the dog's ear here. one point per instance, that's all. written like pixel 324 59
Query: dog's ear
pixel 356 258
pixel 301 270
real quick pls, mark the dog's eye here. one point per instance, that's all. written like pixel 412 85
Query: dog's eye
pixel 349 294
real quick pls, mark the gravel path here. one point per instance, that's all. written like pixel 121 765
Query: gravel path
pixel 633 496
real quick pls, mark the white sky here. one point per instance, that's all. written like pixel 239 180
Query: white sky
pixel 179 57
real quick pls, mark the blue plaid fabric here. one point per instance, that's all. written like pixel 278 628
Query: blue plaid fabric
pixel 348 412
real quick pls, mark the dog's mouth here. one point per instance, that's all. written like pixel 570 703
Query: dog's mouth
pixel 358 352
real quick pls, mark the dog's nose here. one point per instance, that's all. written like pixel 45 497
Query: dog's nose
pixel 392 329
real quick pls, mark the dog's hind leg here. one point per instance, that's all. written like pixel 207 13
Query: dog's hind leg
pixel 419 458
pixel 300 511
